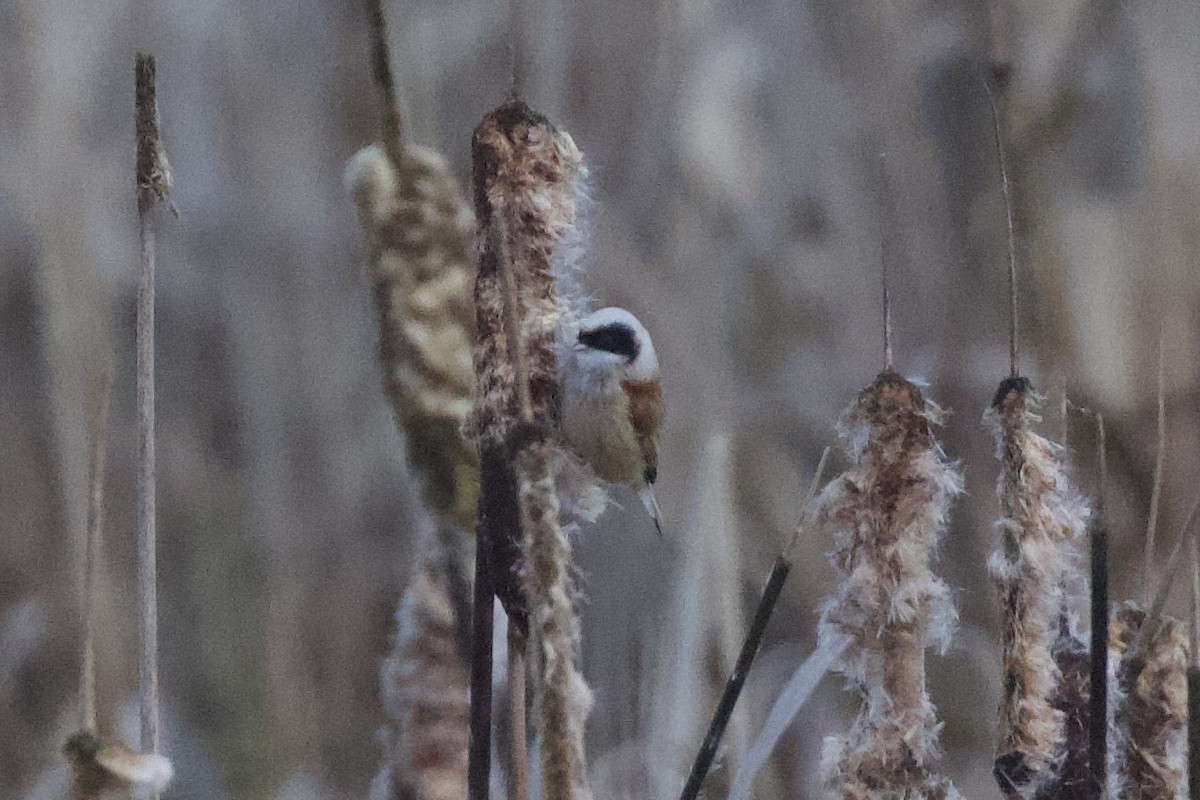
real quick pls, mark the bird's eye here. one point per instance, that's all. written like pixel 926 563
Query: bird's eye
pixel 615 338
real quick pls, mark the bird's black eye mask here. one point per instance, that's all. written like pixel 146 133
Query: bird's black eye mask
pixel 613 338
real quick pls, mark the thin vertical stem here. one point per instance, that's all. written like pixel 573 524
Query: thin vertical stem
pixel 153 180
pixel 884 231
pixel 517 47
pixel 97 457
pixel 479 748
pixel 1148 573
pixel 518 788
pixel 1098 701
pixel 1193 682
pixel 393 124
pixel 758 626
pixel 1012 238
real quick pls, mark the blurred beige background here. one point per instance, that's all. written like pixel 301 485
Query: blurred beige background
pixel 738 211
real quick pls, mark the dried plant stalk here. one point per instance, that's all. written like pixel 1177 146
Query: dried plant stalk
pixel 528 172
pixel 564 698
pixel 888 512
pixel 526 179
pixel 97 458
pixel 1041 516
pixel 418 229
pixel 1149 718
pixel 153 181
pixel 424 689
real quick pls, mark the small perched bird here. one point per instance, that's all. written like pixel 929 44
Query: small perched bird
pixel 612 402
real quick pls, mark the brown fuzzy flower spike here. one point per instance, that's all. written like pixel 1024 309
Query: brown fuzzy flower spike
pixel 424 688
pixel 526 175
pixel 1149 718
pixel 418 230
pixel 1041 517
pixel 888 513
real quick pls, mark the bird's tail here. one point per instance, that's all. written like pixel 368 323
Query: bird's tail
pixel 651 504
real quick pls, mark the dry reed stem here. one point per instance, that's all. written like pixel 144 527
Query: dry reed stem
pixel 97 457
pixel 419 231
pixel 518 783
pixel 888 513
pixel 1149 583
pixel 1041 516
pixel 526 181
pixel 424 689
pixel 152 181
pixel 564 697
pixel 1098 708
pixel 1149 719
pixel 1193 676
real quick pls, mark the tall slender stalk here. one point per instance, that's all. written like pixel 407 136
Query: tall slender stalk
pixel 1148 573
pixel 737 678
pixel 1098 701
pixel 97 452
pixel 153 182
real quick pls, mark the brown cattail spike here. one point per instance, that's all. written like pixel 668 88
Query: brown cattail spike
pixel 424 689
pixel 526 180
pixel 1041 516
pixel 887 513
pixel 524 169
pixel 1150 715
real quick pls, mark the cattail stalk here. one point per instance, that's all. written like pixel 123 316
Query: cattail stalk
pixel 887 513
pixel 153 183
pixel 424 689
pixel 97 458
pixel 1193 677
pixel 1041 516
pixel 1098 682
pixel 758 626
pixel 418 230
pixel 1148 580
pixel 525 178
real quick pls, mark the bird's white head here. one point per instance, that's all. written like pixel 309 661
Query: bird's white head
pixel 613 341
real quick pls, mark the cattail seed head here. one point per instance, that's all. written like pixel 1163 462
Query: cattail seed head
pixel 418 230
pixel 887 514
pixel 526 174
pixel 1149 716
pixel 1041 517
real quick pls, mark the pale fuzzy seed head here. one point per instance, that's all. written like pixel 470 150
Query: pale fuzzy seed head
pixel 1148 723
pixel 1041 518
pixel 419 232
pixel 425 693
pixel 527 176
pixel 887 514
